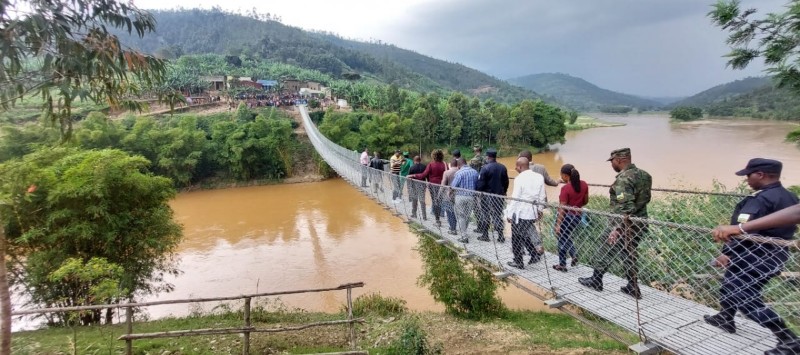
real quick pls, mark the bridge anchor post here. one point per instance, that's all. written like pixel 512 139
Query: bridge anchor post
pixel 645 348
pixel 556 302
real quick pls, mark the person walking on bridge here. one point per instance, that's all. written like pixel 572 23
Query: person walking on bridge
pixel 493 179
pixel 464 181
pixel 629 196
pixel 365 170
pixel 434 173
pixel 395 164
pixel 538 168
pixel 416 189
pixel 575 193
pixel 750 264
pixel 447 196
pixel 523 210
pixel 377 174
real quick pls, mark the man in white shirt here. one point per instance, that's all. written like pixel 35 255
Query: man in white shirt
pixel 521 212
pixel 365 162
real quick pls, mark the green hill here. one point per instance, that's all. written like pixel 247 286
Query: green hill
pixel 199 31
pixel 578 93
pixel 724 92
pixel 755 97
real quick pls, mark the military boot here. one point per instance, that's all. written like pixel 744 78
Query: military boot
pixel 594 282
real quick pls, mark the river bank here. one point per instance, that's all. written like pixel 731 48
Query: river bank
pixel 519 332
pixel 586 122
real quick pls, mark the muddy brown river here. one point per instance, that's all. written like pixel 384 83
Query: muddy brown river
pixel 283 237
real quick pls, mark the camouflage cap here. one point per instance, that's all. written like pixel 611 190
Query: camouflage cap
pixel 620 153
pixel 476 147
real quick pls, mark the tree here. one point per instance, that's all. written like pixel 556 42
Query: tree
pixel 69 203
pixel 63 51
pixel 775 38
pixel 686 113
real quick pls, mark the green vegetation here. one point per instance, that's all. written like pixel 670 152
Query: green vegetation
pixel 617 109
pixel 521 331
pixel 686 113
pixel 467 291
pixel 421 123
pixel 585 122
pixel 241 145
pixel 375 304
pixel 66 203
pixel 254 36
pixel 412 340
pixel 580 94
pixel 723 92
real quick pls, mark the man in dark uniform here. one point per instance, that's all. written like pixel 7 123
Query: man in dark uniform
pixel 750 265
pixel 629 196
pixel 493 179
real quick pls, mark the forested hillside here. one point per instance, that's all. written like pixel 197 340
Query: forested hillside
pixel 580 94
pixel 723 92
pixel 755 97
pixel 261 36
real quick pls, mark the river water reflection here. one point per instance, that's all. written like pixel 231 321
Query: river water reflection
pixel 282 237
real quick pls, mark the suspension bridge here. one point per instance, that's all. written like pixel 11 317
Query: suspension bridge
pixel 678 285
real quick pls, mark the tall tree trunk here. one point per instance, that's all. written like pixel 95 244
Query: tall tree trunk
pixel 5 299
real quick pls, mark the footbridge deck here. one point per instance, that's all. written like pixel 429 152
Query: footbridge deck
pixel 674 296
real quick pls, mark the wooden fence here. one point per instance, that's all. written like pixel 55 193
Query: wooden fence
pixel 245 330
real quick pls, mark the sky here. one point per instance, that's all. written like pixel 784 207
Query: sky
pixel 652 48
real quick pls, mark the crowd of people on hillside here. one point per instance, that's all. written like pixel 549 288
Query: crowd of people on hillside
pixel 454 190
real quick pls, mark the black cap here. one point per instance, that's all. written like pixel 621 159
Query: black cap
pixel 456 153
pixel 762 165
pixel 620 153
pixel 491 152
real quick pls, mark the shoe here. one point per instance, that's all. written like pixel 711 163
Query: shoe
pixel 632 291
pixel 476 230
pixel 464 240
pixel 452 232
pixel 560 267
pixel 413 216
pixel 720 322
pixel 591 282
pixel 534 259
pixel 438 223
pixel 484 238
pixel 785 348
pixel 516 264
pixel 575 261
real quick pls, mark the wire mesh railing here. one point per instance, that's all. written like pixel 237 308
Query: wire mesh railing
pixel 675 265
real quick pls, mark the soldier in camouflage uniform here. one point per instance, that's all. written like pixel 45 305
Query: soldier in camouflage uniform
pixel 478 160
pixel 629 196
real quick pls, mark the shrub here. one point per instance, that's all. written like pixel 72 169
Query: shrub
pixel 466 291
pixel 413 340
pixel 376 304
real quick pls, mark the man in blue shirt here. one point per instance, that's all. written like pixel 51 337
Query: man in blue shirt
pixel 464 183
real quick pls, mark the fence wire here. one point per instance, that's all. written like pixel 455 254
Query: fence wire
pixel 671 256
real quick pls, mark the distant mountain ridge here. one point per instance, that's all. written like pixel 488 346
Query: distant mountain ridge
pixel 199 31
pixel 755 97
pixel 580 94
pixel 724 91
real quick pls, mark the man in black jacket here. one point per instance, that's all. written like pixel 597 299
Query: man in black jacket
pixel 493 179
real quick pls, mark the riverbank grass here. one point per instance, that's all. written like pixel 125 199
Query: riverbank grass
pixel 517 331
pixel 586 122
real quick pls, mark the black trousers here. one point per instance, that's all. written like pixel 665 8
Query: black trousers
pixel 491 213
pixel 521 231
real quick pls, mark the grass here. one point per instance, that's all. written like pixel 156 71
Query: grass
pixel 586 122
pixel 515 331
pixel 560 331
pixel 30 110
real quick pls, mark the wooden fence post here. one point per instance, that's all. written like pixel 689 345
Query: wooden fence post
pixel 129 324
pixel 350 317
pixel 246 341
